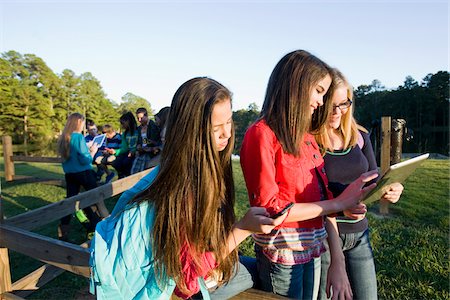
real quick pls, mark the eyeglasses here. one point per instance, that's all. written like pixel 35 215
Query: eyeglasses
pixel 343 106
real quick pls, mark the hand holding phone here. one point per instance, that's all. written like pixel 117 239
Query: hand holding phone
pixel 283 211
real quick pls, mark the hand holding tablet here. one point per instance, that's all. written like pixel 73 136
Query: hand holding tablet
pixel 395 174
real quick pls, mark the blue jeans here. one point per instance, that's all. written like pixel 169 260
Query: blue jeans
pixel 243 279
pixel 297 281
pixel 360 266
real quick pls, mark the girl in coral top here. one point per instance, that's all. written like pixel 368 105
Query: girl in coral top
pixel 282 164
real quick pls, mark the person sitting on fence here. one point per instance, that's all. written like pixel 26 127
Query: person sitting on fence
pixel 347 154
pixel 149 141
pixel 177 226
pixel 113 140
pixel 126 153
pixel 77 166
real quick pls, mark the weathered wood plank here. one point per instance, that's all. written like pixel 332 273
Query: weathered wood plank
pixel 5 271
pixel 35 280
pixel 55 211
pixel 20 179
pixel 9 296
pixel 64 255
pixel 37 159
pixel 7 155
pixel 254 294
pixel 385 155
pixel 38 278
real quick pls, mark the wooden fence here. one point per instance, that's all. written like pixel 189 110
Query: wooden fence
pixel 16 235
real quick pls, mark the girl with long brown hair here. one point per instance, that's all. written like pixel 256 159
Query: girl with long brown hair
pixel 281 163
pixel 77 166
pixel 184 209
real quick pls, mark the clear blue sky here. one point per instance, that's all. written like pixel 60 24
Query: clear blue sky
pixel 150 48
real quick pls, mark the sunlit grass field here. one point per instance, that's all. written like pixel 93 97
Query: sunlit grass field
pixel 411 244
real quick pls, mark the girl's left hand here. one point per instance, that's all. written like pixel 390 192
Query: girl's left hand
pixel 337 282
pixel 393 192
pixel 258 220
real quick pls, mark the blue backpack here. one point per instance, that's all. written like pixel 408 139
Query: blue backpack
pixel 121 254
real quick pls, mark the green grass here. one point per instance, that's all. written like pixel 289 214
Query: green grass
pixel 411 244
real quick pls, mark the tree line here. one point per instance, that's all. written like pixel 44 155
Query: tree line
pixel 423 105
pixel 35 103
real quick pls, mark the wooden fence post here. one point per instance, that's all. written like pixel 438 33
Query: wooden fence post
pixel 385 156
pixel 5 271
pixel 7 154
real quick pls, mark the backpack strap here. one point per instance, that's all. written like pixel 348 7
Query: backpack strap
pixel 203 289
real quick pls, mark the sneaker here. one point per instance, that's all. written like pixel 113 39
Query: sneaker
pixel 110 177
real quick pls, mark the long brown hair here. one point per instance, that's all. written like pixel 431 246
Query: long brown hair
pixel 64 140
pixel 193 194
pixel 286 107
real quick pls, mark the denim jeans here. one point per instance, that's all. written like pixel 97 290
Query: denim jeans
pixel 243 279
pixel 297 281
pixel 360 266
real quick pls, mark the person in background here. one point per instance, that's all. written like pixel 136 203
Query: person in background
pixel 149 141
pixel 113 141
pixel 281 163
pixel 77 165
pixel 160 120
pixel 92 130
pixel 347 154
pixel 176 227
pixel 126 153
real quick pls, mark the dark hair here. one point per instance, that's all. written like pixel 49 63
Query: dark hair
pixel 128 122
pixel 141 110
pixel 90 122
pixel 286 107
pixel 162 116
pixel 193 194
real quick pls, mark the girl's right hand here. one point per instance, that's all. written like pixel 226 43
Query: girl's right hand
pixel 258 220
pixel 93 149
pixel 356 191
pixel 357 212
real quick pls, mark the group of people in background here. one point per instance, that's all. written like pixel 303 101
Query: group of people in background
pixel 176 232
pixel 135 150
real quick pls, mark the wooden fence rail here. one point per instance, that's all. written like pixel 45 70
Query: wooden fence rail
pixel 15 235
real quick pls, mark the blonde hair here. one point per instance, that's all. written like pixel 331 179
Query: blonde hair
pixel 348 128
pixel 64 140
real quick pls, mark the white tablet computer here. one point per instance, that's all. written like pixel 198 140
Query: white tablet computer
pixel 396 173
pixel 99 139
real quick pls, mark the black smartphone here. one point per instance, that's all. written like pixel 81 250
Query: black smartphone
pixel 283 211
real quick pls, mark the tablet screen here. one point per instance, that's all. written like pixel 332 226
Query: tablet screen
pixel 396 173
pixel 99 139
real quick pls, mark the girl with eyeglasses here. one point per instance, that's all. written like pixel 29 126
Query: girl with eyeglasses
pixel 347 154
pixel 282 164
